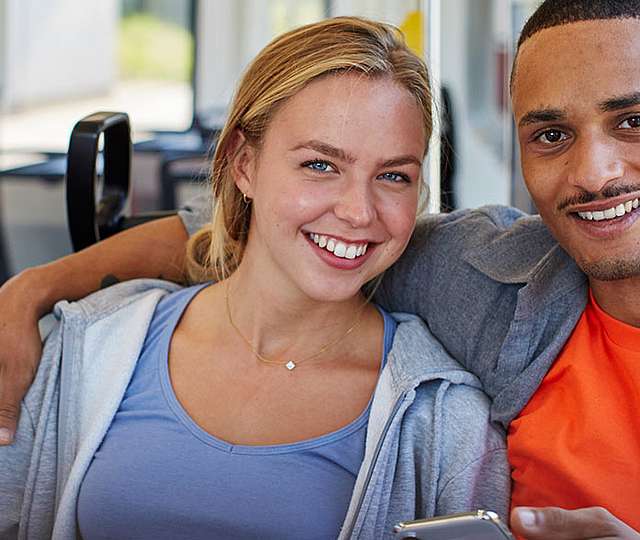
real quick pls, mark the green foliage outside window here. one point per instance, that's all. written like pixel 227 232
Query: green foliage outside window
pixel 151 48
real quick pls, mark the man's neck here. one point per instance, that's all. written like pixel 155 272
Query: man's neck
pixel 619 298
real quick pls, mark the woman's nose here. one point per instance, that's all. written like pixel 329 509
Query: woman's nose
pixel 356 205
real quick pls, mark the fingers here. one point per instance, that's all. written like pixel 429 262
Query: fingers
pixel 582 524
pixel 8 422
pixel 13 386
pixel 20 347
pixel 9 412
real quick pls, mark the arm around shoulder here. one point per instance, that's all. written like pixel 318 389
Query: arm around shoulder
pixel 155 249
pixel 475 472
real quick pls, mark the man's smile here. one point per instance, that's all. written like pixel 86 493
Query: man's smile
pixel 611 212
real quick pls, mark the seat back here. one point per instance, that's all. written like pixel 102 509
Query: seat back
pixel 94 216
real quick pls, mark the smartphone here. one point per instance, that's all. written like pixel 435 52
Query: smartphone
pixel 479 525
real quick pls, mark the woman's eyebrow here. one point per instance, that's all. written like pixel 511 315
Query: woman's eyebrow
pixel 326 149
pixel 402 160
pixel 338 153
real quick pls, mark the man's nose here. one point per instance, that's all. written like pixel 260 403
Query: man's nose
pixel 356 204
pixel 595 163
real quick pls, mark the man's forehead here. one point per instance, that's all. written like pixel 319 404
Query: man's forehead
pixel 595 60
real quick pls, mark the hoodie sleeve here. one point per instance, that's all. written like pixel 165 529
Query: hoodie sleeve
pixel 14 466
pixel 474 471
pixel 28 466
pixel 196 213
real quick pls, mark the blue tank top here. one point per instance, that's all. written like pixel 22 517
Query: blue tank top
pixel 158 475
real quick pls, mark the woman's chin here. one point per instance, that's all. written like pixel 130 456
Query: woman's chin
pixel 335 293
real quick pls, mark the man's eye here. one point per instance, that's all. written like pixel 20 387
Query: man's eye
pixel 633 122
pixel 394 177
pixel 551 136
pixel 318 165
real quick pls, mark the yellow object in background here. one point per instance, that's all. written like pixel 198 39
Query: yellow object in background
pixel 412 29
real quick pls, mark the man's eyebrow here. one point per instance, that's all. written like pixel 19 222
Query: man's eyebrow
pixel 542 115
pixel 402 160
pixel 620 102
pixel 326 149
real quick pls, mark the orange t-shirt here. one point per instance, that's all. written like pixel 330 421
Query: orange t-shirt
pixel 577 442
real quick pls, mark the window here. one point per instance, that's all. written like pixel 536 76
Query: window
pixel 60 62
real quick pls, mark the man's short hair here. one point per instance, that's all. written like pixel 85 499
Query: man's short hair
pixel 558 12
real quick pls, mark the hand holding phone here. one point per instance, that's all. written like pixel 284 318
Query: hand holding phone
pixel 480 525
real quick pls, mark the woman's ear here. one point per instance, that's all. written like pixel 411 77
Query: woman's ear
pixel 243 157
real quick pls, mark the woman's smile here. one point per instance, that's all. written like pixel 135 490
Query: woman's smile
pixel 338 253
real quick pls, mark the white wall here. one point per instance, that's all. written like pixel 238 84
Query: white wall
pixel 69 44
pixel 391 11
pixel 219 55
pixel 232 32
pixel 482 175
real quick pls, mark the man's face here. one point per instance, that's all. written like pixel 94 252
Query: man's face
pixel 576 101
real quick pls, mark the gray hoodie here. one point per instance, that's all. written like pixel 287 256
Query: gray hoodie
pixel 430 447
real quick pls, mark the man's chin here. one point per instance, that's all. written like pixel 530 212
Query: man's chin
pixel 612 269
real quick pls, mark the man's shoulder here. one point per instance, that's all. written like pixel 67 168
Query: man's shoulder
pixel 501 242
pixel 474 227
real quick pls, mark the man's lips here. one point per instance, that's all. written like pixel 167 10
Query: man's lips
pixel 602 204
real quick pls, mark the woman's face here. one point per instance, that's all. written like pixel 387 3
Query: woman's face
pixel 334 186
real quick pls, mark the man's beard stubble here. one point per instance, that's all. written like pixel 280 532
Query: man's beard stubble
pixel 612 270
pixel 606 270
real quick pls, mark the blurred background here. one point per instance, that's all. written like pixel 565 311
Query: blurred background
pixel 172 66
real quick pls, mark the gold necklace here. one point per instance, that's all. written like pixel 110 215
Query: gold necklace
pixel 290 365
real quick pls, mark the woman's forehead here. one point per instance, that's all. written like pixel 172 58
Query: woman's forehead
pixel 347 106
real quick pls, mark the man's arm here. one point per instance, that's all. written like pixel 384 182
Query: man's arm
pixel 153 250
pixel 559 524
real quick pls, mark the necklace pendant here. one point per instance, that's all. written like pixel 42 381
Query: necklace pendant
pixel 290 365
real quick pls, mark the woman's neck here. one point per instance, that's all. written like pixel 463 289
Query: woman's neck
pixel 279 320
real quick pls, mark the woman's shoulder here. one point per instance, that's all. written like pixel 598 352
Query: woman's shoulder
pixel 419 356
pixel 107 301
pixel 441 383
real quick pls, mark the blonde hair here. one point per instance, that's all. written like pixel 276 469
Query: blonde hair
pixel 280 70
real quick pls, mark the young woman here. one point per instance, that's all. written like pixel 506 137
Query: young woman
pixel 270 400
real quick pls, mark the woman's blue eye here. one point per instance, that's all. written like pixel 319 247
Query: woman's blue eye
pixel 318 165
pixel 394 177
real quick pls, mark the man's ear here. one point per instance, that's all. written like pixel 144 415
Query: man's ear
pixel 243 158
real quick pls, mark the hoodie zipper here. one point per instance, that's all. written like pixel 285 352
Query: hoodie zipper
pixel 376 455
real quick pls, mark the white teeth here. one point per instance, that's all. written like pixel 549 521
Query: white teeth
pixel 611 213
pixel 338 248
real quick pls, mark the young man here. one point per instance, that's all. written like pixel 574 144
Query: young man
pixel 544 314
